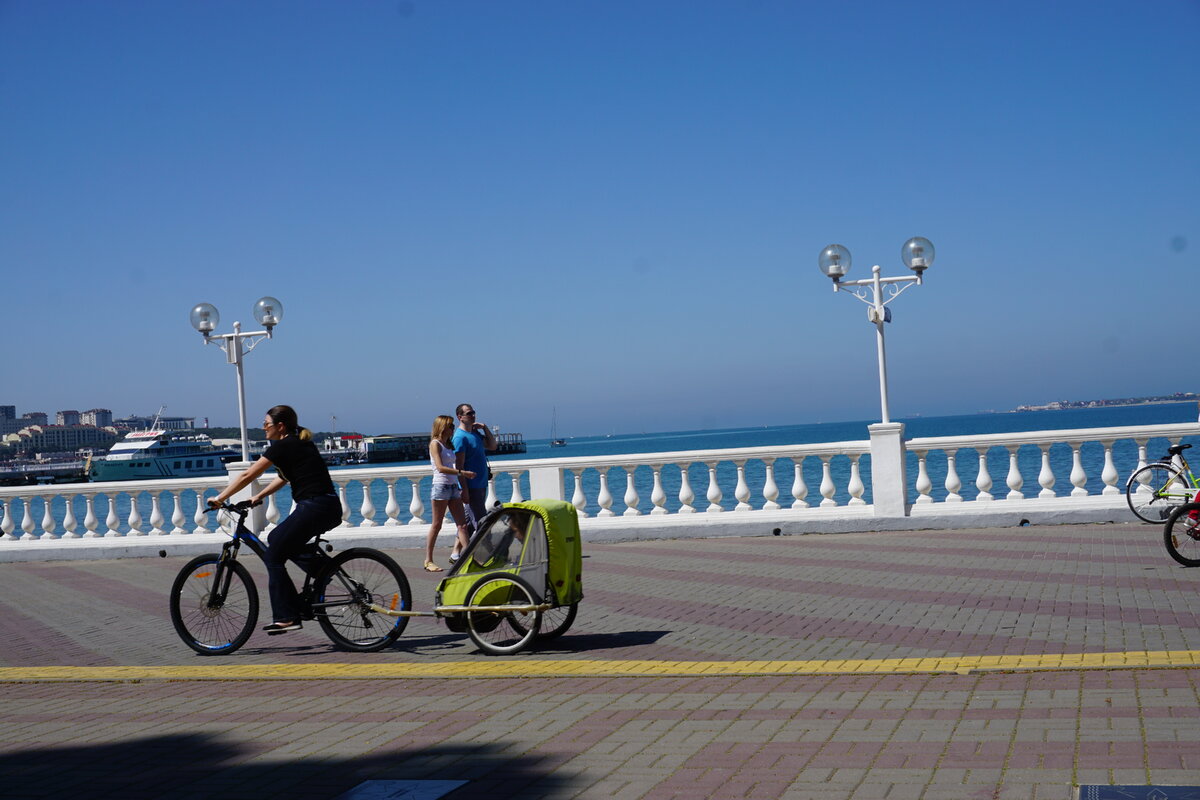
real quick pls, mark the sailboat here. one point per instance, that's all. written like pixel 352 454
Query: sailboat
pixel 554 440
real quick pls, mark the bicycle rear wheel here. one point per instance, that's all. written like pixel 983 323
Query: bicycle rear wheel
pixel 214 606
pixel 1155 490
pixel 355 581
pixel 1181 535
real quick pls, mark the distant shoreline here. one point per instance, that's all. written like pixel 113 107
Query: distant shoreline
pixel 1062 405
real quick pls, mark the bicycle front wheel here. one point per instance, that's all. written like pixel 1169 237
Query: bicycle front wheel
pixel 494 623
pixel 1181 535
pixel 1155 490
pixel 356 583
pixel 214 606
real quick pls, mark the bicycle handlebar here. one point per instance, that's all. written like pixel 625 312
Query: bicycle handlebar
pixel 240 507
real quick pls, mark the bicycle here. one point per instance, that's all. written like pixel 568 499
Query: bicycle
pixel 214 602
pixel 1181 534
pixel 1157 489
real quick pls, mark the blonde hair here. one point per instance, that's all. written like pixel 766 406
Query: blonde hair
pixel 441 424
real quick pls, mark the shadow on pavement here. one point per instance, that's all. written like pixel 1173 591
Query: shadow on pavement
pixel 204 766
pixel 587 642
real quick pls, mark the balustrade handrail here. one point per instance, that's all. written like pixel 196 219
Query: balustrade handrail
pixel 1144 432
pixel 116 487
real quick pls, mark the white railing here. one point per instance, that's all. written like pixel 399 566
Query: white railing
pixel 797 480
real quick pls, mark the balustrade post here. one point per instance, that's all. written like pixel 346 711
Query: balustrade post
pixel 578 498
pixel 855 487
pixel 770 489
pixel 69 521
pixel 177 517
pixel 90 520
pixel 546 483
pixel 200 517
pixel 799 487
pixel 1046 476
pixel 1014 481
pixel 516 496
pixel 889 481
pixel 27 519
pixel 157 520
pixel 714 490
pixel 953 482
pixel 135 516
pixel 271 517
pixel 827 487
pixel 983 481
pixel 658 496
pixel 605 498
pixel 391 509
pixel 1078 476
pixel 1141 446
pixel 1109 475
pixel 631 495
pixel 924 485
pixel 415 507
pixel 489 502
pixel 341 492
pixel 111 521
pixel 48 523
pixel 367 508
pixel 686 495
pixel 7 525
pixel 741 492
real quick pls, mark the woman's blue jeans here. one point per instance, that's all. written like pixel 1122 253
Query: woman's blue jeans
pixel 309 518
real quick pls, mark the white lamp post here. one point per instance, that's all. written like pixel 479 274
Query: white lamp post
pixel 834 261
pixel 267 311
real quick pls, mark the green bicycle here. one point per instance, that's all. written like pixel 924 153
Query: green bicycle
pixel 1157 489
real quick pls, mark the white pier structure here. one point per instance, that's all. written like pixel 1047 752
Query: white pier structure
pixel 884 482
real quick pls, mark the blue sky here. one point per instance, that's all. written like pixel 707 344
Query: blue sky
pixel 612 208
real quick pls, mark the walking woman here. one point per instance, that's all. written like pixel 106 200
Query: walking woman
pixel 447 493
pixel 315 508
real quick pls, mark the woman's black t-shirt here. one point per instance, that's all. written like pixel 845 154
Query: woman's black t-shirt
pixel 300 464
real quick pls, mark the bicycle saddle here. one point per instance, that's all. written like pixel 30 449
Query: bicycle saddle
pixel 1176 449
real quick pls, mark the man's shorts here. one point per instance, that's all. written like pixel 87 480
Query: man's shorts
pixel 446 491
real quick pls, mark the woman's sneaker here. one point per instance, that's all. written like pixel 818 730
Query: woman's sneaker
pixel 282 627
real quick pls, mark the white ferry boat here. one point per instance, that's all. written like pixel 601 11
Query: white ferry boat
pixel 145 455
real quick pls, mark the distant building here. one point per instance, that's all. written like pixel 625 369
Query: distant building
pixel 35 418
pixel 135 423
pixel 67 417
pixel 8 412
pixel 100 417
pixel 55 438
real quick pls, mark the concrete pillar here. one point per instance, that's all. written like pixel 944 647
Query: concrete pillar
pixel 257 519
pixel 546 483
pixel 889 484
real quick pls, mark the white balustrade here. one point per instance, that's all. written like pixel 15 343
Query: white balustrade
pixel 631 495
pixel 657 496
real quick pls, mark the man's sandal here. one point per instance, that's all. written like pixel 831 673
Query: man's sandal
pixel 432 567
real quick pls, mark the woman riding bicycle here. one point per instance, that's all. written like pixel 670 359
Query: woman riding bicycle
pixel 315 508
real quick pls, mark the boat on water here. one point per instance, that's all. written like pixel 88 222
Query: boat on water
pixel 145 455
pixel 555 441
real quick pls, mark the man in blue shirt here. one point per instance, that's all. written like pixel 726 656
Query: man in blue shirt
pixel 472 442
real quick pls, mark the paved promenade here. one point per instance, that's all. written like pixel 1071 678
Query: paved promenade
pixel 1001 663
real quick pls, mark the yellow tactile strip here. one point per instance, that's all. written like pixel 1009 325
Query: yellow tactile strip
pixel 221 669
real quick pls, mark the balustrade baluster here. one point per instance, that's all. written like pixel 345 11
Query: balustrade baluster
pixel 770 489
pixel 489 502
pixel 48 523
pixel 983 481
pixel 923 485
pixel 953 482
pixel 112 521
pixel 827 487
pixel 714 490
pixel 341 490
pixel 1141 446
pixel 578 498
pixel 686 495
pixel 177 517
pixel 273 513
pixel 1078 476
pixel 27 519
pixel 156 516
pixel 7 525
pixel 855 487
pixel 1014 481
pixel 135 516
pixel 90 520
pixel 416 508
pixel 1109 475
pixel 799 487
pixel 1046 476
pixel 69 521
pixel 392 508
pixel 741 492
pixel 517 497
pixel 200 516
pixel 657 495
pixel 367 509
pixel 631 495
pixel 605 498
